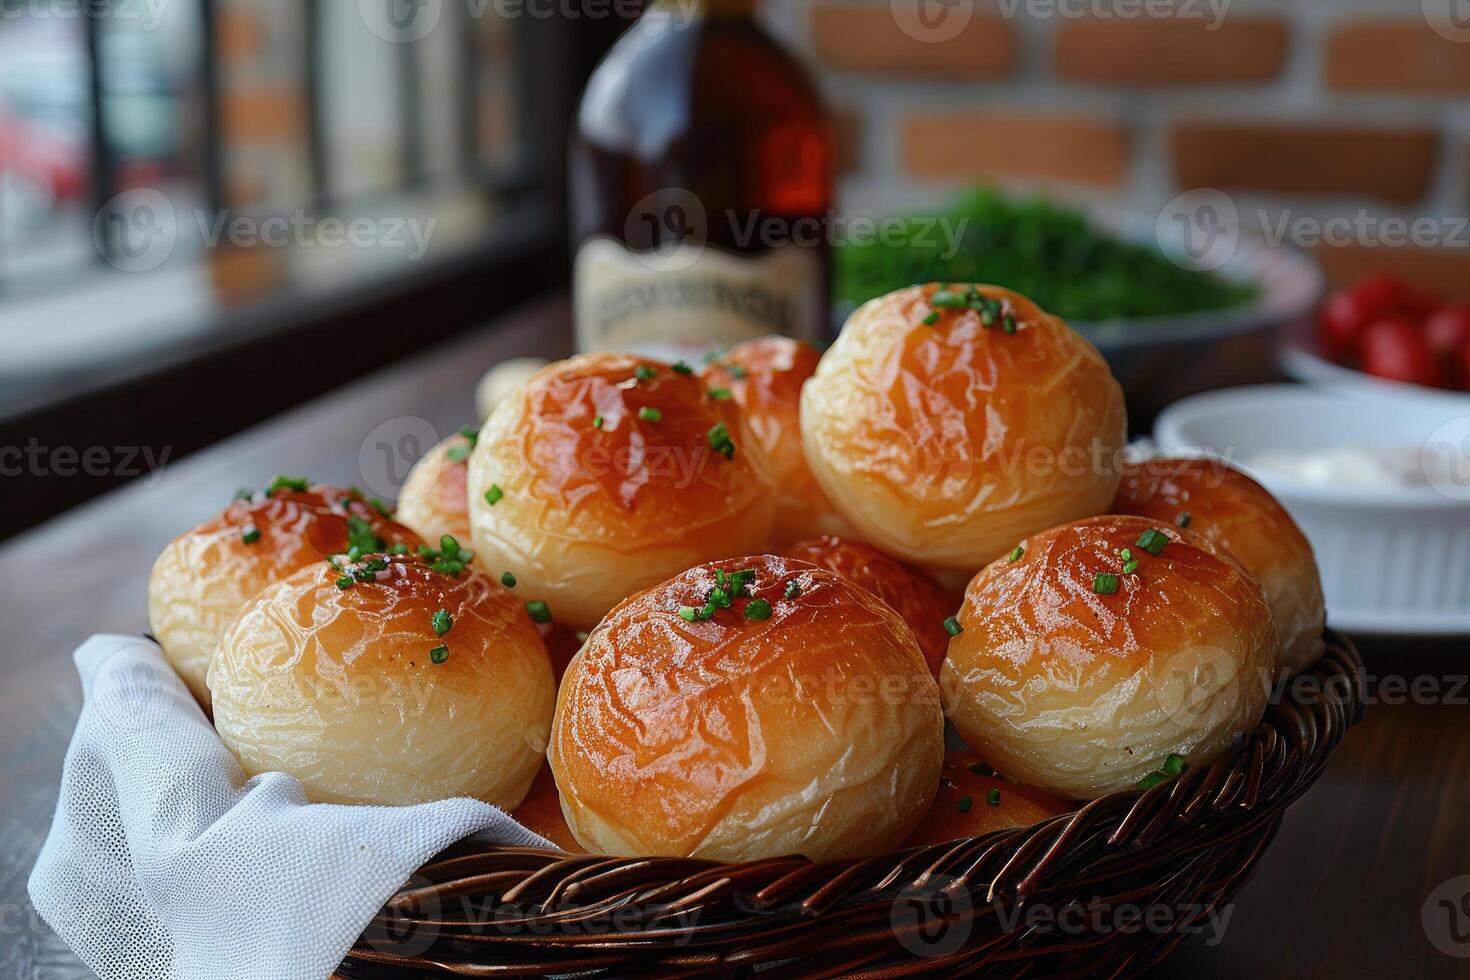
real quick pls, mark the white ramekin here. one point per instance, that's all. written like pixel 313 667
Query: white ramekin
pixel 1394 559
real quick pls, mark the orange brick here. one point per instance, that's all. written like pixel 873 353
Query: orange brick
pixel 262 113
pixel 1392 164
pixel 1443 271
pixel 870 39
pixel 1047 146
pixel 1171 50
pixel 237 33
pixel 1394 55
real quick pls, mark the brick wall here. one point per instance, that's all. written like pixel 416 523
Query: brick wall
pixel 1308 110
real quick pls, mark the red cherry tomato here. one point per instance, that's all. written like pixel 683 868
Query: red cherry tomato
pixel 1394 348
pixel 1341 325
pixel 1348 312
pixel 1448 331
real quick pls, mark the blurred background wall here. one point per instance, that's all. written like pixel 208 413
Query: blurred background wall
pixel 1310 109
pixel 149 148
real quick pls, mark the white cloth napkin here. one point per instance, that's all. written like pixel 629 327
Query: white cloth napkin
pixel 164 861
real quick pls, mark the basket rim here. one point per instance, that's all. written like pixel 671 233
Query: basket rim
pixel 1198 834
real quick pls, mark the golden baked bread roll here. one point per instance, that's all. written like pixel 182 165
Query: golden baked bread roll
pixel 608 473
pixel 1094 651
pixel 745 709
pixel 944 441
pixel 435 500
pixel 972 801
pixel 909 591
pixel 395 679
pixel 204 576
pixel 764 377
pixel 1236 513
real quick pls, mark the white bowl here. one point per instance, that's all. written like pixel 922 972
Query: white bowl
pixel 1395 555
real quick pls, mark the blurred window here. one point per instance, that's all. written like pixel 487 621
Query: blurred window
pixel 162 161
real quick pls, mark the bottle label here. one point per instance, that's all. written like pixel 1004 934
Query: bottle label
pixel 690 296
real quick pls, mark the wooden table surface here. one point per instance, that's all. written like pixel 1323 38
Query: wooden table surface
pixel 1341 892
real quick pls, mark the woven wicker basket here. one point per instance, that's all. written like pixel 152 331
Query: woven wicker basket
pixel 958 909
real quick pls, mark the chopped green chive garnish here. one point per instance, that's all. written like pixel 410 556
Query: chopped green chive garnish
pixel 993 798
pixel 649 414
pixel 458 454
pixel 945 299
pixel 720 394
pixel 681 368
pixel 736 371
pixel 1009 324
pixel 965 803
pixel 952 626
pixel 1183 519
pixel 345 582
pixel 244 493
pixel 297 483
pixel 988 316
pixel 426 552
pixel 439 654
pixel 538 611
pixel 932 318
pixel 720 441
pixel 757 609
pixel 493 495
pixel 1016 553
pixel 1173 766
pixel 470 432
pixel 398 549
pixel 793 589
pixel 360 535
pixel 643 372
pixel 448 546
pixel 688 613
pixel 1130 566
pixel 1104 583
pixel 508 580
pixel 250 535
pixel 441 621
pixel 1152 541
pixel 597 421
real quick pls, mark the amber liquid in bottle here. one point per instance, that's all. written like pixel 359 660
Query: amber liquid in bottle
pixel 701 183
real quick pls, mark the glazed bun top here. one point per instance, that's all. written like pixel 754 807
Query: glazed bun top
pixel 729 736
pixel 297 524
pixel 764 377
pixel 203 577
pixel 377 616
pixel 1096 650
pixel 939 437
pixel 1050 598
pixel 434 500
pixel 909 591
pixel 622 450
pixel 392 679
pixel 1238 515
